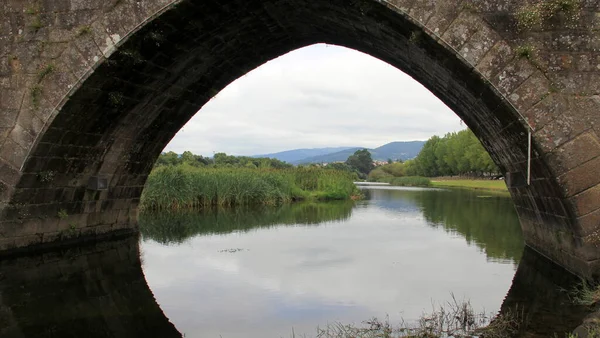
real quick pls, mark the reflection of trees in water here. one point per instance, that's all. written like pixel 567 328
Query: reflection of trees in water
pixel 87 291
pixel 488 221
pixel 176 227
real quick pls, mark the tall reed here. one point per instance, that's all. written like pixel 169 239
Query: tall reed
pixel 185 187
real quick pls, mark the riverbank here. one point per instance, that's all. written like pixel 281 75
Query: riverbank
pixel 186 187
pixel 487 185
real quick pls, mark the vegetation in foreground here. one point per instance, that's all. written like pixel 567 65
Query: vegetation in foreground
pixel 587 294
pixel 456 319
pixel 185 186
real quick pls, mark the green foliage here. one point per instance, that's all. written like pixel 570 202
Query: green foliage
pixel 528 17
pixel 62 214
pixel 586 293
pixel 45 71
pixel 36 95
pixel 526 51
pixel 395 169
pixel 458 153
pixel 378 175
pixel 453 319
pixel 36 20
pixel 542 13
pixel 185 186
pixel 32 10
pixel 84 30
pixel 220 160
pixel 361 160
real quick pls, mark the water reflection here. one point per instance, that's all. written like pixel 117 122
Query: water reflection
pixel 242 275
pixel 486 220
pixel 176 227
pixel 90 291
pixel 268 273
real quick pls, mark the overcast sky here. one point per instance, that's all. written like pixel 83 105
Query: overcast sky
pixel 318 96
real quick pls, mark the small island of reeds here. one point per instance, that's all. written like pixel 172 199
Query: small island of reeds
pixel 185 186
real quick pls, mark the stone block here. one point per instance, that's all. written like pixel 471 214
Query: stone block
pixel 12 153
pixel 402 5
pixel 442 16
pixel 577 152
pixel 530 92
pixel 22 137
pixel 8 117
pixel 590 225
pixel 421 11
pixel 479 45
pixel 461 30
pixel 545 111
pixel 587 201
pixel 513 75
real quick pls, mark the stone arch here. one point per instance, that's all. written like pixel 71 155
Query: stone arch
pixel 97 90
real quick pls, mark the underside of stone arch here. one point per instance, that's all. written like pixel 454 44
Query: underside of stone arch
pixel 123 85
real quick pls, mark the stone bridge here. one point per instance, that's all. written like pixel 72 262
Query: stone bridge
pixel 91 92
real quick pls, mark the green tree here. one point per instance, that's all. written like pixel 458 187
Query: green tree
pixel 458 153
pixel 361 160
pixel 170 158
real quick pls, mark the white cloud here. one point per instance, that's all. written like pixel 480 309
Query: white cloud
pixel 318 96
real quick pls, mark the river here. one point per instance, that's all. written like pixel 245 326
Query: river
pixel 284 271
pixel 262 273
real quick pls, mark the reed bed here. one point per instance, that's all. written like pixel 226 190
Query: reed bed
pixel 187 187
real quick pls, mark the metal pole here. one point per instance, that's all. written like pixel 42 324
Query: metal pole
pixel 528 156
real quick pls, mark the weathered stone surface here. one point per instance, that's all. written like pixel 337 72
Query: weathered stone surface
pixel 92 88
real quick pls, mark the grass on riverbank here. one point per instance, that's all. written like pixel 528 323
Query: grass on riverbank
pixel 454 319
pixel 491 185
pixel 408 181
pixel 184 187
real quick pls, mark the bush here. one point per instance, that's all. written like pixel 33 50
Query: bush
pixel 378 174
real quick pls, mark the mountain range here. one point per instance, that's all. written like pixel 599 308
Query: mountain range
pixel 291 156
pixel 392 150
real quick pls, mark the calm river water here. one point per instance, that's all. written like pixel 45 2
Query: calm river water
pixel 397 253
pixel 275 272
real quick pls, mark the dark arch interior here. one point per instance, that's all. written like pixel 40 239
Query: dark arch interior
pixel 120 119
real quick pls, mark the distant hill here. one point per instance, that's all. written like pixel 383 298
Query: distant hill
pixel 393 150
pixel 296 155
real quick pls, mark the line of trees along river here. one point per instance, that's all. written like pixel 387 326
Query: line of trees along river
pixel 458 153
